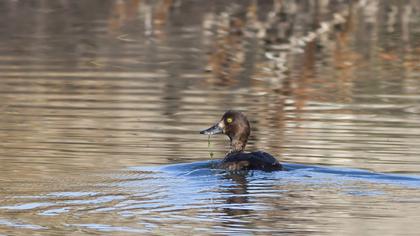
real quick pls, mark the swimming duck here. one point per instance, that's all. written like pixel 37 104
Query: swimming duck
pixel 236 126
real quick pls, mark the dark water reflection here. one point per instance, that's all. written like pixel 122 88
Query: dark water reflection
pixel 100 99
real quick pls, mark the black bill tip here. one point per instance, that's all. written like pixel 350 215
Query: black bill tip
pixel 215 129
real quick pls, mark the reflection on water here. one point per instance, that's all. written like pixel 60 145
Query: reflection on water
pixel 196 198
pixel 93 93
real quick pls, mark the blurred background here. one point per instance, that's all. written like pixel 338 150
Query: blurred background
pixel 98 86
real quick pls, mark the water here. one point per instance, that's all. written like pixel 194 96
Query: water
pixel 101 103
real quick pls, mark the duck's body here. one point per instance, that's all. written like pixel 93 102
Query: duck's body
pixel 236 126
pixel 250 161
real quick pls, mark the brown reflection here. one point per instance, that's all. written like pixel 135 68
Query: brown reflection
pixel 237 194
pixel 226 56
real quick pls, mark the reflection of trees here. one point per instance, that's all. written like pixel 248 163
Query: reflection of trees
pixel 259 56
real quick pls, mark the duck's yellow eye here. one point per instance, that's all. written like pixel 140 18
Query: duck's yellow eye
pixel 229 120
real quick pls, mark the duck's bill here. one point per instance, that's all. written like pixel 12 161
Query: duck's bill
pixel 215 129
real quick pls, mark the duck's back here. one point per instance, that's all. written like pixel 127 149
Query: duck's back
pixel 250 161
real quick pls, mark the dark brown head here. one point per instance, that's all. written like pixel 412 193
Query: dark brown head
pixel 236 126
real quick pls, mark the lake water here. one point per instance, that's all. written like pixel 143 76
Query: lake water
pixel 102 102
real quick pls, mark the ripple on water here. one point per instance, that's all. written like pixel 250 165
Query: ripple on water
pixel 197 193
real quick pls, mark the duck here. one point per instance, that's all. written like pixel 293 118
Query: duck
pixel 235 125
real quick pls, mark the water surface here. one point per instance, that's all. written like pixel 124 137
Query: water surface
pixel 101 103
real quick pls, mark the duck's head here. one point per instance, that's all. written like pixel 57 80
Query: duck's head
pixel 235 125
